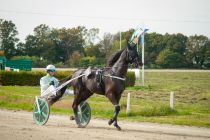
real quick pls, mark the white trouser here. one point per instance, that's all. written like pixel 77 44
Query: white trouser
pixel 51 91
pixel 69 92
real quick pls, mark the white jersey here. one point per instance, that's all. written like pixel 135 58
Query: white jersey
pixel 45 82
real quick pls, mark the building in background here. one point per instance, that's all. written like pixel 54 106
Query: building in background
pixel 15 65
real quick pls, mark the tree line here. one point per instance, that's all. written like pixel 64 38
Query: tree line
pixel 82 47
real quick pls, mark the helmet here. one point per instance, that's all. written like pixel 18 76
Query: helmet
pixel 50 67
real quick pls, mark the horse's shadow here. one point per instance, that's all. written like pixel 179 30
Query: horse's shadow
pixel 104 128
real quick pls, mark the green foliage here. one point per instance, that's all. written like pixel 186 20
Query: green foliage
pixel 91 36
pixel 24 78
pixel 198 51
pixel 59 65
pixel 20 78
pixel 36 61
pixel 74 59
pixel 176 43
pixel 146 87
pixel 93 50
pixel 154 44
pixel 20 57
pixel 169 59
pixel 130 79
pixel 54 45
pixel 8 39
pixel 154 110
pixel 87 61
pixel 177 49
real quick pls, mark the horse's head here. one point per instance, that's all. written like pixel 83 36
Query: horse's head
pixel 132 55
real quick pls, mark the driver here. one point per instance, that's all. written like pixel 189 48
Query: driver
pixel 49 82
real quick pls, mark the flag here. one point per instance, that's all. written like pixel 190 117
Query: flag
pixel 136 33
pixel 142 36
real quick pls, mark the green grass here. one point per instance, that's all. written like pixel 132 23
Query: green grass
pixel 148 104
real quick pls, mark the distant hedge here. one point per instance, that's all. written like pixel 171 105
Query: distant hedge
pixel 130 79
pixel 24 78
pixel 31 78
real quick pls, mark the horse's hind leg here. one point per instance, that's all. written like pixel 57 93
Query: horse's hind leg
pixel 60 93
pixel 79 97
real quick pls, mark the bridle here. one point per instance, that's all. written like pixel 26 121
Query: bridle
pixel 129 58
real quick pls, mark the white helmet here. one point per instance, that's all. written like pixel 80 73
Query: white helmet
pixel 50 67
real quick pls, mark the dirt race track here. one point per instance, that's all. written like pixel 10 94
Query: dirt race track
pixel 19 125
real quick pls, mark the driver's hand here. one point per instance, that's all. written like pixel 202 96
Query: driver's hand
pixel 52 83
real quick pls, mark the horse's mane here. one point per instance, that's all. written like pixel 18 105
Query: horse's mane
pixel 114 58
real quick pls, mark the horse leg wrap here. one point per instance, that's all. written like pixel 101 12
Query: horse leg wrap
pixel 116 111
pixel 117 108
pixel 116 125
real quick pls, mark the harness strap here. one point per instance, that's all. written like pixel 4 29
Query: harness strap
pixel 123 79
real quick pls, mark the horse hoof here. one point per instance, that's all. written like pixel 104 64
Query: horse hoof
pixel 80 126
pixel 110 121
pixel 118 128
pixel 72 118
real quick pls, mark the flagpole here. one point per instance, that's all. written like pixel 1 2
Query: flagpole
pixel 142 58
pixel 142 42
pixel 137 45
pixel 120 40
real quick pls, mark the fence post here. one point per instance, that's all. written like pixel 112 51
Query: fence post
pixel 172 100
pixel 128 103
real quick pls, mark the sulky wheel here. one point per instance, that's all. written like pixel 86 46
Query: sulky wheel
pixel 84 114
pixel 41 113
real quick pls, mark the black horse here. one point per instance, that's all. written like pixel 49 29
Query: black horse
pixel 102 81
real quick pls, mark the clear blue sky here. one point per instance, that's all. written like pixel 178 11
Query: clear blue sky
pixel 189 17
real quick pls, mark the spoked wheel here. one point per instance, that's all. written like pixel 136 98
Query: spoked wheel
pixel 84 114
pixel 41 114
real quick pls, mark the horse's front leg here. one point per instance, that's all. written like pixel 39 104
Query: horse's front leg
pixel 114 119
pixel 115 102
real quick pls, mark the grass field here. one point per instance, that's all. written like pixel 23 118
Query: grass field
pixel 148 104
